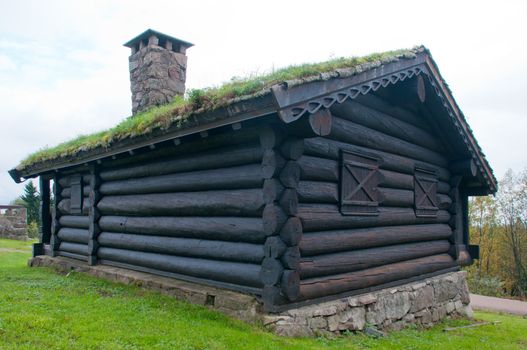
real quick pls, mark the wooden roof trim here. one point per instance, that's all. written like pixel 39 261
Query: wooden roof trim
pixel 308 98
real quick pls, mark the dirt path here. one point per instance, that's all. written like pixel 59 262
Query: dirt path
pixel 481 302
pixel 12 250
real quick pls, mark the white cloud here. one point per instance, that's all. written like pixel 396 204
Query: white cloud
pixel 6 63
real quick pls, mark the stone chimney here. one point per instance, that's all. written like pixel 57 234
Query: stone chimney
pixel 158 66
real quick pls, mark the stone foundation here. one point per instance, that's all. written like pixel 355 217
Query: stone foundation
pixel 425 302
pixel 13 222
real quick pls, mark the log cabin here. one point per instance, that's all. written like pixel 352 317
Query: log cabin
pixel 298 187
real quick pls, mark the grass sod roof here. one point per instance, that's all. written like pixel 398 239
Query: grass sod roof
pixel 176 113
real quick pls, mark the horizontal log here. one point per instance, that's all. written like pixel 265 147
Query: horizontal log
pixel 323 242
pixel 319 217
pixel 465 167
pixel 346 131
pixel 318 169
pixel 272 190
pixel 66 192
pixel 327 170
pixel 272 164
pixel 325 286
pixel 395 111
pixel 336 263
pixel 313 124
pixel 271 271
pixel 290 284
pixel 219 158
pixel 74 221
pixel 382 122
pixel 327 192
pixel 271 136
pixel 65 181
pixel 395 198
pixel 291 258
pixel 290 174
pixel 230 272
pixel 235 229
pixel 326 148
pixel 289 201
pixel 274 247
pixel 64 206
pixel 74 235
pixel 291 231
pixel 274 219
pixel 207 203
pixel 188 146
pixel 444 201
pixel 292 148
pixel 245 176
pixel 75 248
pixel 230 251
pixel 317 192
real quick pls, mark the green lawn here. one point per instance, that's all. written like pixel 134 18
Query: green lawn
pixel 41 309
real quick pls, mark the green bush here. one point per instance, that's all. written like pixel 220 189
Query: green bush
pixel 32 230
pixel 485 285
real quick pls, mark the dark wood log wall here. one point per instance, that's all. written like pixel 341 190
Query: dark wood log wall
pixel 341 253
pixel 280 267
pixel 195 214
pixel 70 232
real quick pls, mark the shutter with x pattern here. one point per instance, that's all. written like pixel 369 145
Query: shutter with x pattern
pixel 425 193
pixel 358 184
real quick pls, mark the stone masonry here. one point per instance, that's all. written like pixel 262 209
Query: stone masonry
pixel 13 222
pixel 157 73
pixel 425 302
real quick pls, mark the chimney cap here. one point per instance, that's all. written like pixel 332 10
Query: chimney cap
pixel 149 32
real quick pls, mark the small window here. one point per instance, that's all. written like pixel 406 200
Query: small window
pixel 76 194
pixel 359 178
pixel 425 193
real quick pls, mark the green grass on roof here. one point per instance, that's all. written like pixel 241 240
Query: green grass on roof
pixel 196 100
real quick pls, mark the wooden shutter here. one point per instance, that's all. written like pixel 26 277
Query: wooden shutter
pixel 359 178
pixel 76 194
pixel 425 193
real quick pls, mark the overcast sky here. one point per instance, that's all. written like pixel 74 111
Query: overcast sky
pixel 64 71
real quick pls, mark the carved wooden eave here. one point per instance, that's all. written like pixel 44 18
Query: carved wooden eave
pixel 297 100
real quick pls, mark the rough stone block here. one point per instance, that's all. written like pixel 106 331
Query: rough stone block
pixel 422 298
pixel 397 305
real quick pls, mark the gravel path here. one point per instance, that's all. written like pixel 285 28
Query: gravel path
pixel 481 302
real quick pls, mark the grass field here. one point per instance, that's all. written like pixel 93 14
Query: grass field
pixel 40 309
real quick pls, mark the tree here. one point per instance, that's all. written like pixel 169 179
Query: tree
pixel 512 205
pixel 31 200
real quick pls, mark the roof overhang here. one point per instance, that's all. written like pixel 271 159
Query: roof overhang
pixel 294 99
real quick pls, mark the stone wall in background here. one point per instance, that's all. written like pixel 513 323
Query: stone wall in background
pixel 425 302
pixel 13 222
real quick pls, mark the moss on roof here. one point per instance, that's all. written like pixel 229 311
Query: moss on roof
pixel 197 100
